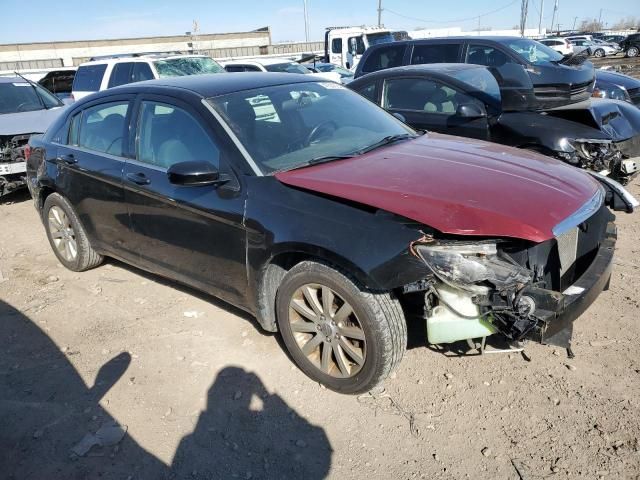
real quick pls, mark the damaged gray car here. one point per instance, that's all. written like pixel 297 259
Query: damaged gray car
pixel 26 108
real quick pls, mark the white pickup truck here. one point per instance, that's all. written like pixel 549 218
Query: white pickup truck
pixel 26 108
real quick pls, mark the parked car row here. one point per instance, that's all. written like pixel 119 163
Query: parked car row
pixel 528 96
pixel 336 217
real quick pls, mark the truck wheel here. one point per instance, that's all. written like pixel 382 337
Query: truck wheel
pixel 632 52
pixel 67 236
pixel 599 53
pixel 338 333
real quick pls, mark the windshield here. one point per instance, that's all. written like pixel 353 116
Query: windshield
pixel 285 126
pixel 20 96
pixel 533 52
pixel 481 82
pixel 377 38
pixel 290 67
pixel 178 67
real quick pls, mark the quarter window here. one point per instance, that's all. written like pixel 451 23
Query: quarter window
pixel 422 95
pixel 102 128
pixel 369 92
pixel 169 135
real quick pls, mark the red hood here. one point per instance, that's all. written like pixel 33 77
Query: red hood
pixel 457 186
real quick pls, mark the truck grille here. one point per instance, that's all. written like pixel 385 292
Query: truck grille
pixel 578 92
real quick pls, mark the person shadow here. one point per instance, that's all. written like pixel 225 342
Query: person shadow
pixel 247 432
pixel 46 409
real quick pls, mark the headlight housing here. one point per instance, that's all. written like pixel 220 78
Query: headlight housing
pixel 467 265
pixel 613 92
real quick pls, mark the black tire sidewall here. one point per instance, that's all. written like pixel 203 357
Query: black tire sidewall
pixel 371 370
pixel 58 201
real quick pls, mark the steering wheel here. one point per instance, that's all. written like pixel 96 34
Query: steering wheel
pixel 327 127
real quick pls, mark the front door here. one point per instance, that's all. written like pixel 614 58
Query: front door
pixel 194 234
pixel 429 104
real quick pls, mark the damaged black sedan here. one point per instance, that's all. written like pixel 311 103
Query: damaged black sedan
pixel 324 216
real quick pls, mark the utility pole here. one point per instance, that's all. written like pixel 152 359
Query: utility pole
pixel 555 11
pixel 523 16
pixel 306 22
pixel 379 13
pixel 600 18
pixel 540 21
pixel 575 19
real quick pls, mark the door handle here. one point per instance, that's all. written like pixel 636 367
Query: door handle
pixel 68 158
pixel 138 178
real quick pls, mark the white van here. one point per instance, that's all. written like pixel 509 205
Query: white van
pixel 344 46
pixel 107 72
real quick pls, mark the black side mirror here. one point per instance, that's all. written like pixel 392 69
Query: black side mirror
pixel 400 117
pixel 195 174
pixel 470 110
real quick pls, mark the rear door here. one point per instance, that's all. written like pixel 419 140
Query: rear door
pixel 194 234
pixel 429 104
pixel 90 166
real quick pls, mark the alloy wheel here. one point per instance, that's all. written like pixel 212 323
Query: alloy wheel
pixel 632 52
pixel 599 53
pixel 62 233
pixel 327 331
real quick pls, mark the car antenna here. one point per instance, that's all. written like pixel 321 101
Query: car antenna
pixel 35 89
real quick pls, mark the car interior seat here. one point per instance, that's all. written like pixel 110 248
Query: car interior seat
pixel 478 57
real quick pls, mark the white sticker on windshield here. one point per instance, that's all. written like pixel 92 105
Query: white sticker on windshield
pixel 332 86
pixel 21 84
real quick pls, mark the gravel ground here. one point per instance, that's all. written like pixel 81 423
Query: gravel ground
pixel 203 393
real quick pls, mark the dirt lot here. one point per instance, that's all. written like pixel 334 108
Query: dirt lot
pixel 203 393
pixel 618 63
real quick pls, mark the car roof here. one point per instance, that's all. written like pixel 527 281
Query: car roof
pixel 432 68
pixel 138 58
pixel 487 38
pixel 258 61
pixel 215 84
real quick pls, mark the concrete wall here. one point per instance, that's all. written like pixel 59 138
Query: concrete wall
pixel 55 54
pixel 457 31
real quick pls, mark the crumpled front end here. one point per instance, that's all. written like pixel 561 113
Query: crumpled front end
pixel 14 150
pixel 519 289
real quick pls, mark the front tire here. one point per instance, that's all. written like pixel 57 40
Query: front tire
pixel 633 52
pixel 599 53
pixel 337 332
pixel 67 236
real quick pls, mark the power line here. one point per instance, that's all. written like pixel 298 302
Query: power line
pixel 454 20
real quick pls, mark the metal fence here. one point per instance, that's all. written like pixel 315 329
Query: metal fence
pixel 31 64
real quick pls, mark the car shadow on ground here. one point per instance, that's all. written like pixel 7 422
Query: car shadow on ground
pixel 46 409
pixel 17 196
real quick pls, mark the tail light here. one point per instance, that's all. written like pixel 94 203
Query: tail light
pixel 27 152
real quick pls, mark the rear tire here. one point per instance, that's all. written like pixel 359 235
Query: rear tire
pixel 66 235
pixel 632 52
pixel 347 352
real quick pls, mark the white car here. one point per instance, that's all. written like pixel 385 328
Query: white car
pixel 281 65
pixel 560 45
pixel 595 49
pixel 107 72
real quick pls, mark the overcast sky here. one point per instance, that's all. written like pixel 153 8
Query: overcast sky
pixel 38 20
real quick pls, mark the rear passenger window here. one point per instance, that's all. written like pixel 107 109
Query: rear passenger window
pixel 384 57
pixel 435 53
pixel 370 92
pixel 422 95
pixel 102 128
pixel 89 78
pixel 486 55
pixel 169 135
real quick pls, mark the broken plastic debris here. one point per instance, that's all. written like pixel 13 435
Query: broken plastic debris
pixel 192 314
pixel 109 434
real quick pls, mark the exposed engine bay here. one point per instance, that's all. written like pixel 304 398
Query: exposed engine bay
pixel 13 154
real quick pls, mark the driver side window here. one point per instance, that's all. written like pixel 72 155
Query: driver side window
pixel 169 135
pixel 423 95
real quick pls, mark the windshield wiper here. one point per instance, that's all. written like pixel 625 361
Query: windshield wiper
pixel 386 141
pixel 35 89
pixel 316 161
